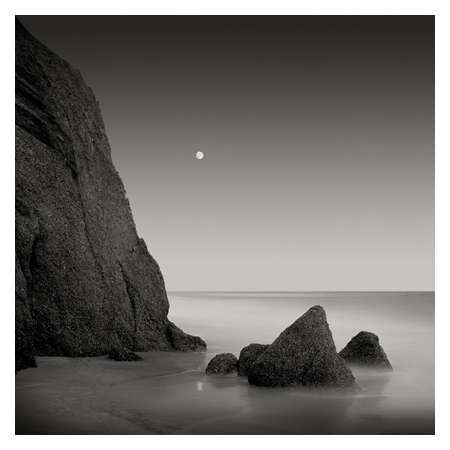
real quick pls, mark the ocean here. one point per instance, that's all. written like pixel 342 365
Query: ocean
pixel 398 402
pixel 169 392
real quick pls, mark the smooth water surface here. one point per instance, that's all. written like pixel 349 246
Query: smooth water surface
pixel 169 392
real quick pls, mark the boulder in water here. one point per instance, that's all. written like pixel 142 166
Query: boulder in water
pixel 364 349
pixel 223 363
pixel 303 354
pixel 248 356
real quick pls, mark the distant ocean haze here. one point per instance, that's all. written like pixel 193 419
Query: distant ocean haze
pixel 238 318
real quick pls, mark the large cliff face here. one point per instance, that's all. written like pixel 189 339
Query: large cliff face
pixel 84 280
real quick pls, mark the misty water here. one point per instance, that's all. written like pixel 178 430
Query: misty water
pixel 169 393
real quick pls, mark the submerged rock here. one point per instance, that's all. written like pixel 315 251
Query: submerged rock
pixel 84 278
pixel 184 342
pixel 248 356
pixel 365 349
pixel 303 354
pixel 222 363
pixel 123 355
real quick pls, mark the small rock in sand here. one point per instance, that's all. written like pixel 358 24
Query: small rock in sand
pixel 118 354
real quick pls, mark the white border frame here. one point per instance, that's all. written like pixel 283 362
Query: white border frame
pixel 10 8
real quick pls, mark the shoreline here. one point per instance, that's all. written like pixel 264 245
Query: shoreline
pixel 168 393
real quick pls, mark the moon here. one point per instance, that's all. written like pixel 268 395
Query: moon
pixel 199 155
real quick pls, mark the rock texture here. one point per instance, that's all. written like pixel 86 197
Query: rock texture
pixel 223 363
pixel 84 280
pixel 303 354
pixel 365 349
pixel 184 342
pixel 248 356
pixel 123 355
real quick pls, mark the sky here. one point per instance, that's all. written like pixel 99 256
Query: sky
pixel 318 135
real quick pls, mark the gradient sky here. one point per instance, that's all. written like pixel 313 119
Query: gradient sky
pixel 318 134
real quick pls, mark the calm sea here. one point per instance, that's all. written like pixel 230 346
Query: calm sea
pixel 401 402
pixel 169 393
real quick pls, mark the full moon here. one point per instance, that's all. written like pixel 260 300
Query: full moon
pixel 199 155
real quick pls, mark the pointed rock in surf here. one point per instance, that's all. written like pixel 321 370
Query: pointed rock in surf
pixel 304 354
pixel 222 364
pixel 364 349
pixel 248 356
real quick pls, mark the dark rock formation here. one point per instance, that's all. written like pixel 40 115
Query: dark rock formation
pixel 222 363
pixel 248 356
pixel 184 342
pixel 121 354
pixel 365 349
pixel 84 279
pixel 24 323
pixel 304 354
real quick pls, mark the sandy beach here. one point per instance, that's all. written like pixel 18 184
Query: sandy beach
pixel 168 393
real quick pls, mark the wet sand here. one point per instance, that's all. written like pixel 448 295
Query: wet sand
pixel 169 392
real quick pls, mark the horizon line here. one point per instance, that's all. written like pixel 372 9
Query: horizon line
pixel 219 291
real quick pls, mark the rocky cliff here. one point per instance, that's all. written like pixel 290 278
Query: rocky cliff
pixel 85 281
